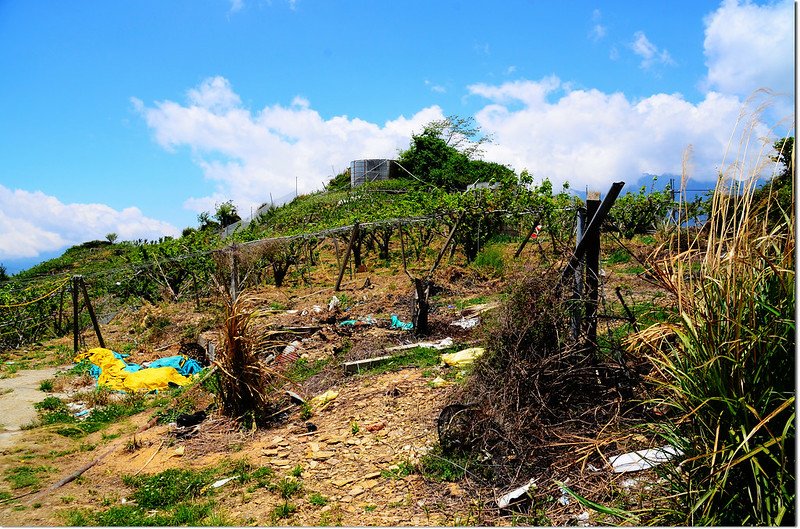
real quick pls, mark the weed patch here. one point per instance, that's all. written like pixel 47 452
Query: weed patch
pixel 302 369
pixel 25 476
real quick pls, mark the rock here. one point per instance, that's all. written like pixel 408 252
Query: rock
pixel 372 475
pixel 355 491
pixel 341 482
pixel 376 426
pixel 270 452
pixel 322 455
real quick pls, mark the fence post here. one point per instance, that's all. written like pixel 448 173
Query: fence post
pixel 592 271
pixel 91 312
pixel 528 237
pixel 353 236
pixel 75 331
pixel 234 273
pixel 577 288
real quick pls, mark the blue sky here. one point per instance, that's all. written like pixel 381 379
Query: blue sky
pixel 133 117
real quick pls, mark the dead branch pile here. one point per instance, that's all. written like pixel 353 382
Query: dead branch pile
pixel 534 392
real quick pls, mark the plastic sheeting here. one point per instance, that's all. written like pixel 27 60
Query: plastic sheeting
pixel 113 372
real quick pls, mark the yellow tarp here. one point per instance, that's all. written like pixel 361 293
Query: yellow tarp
pixel 464 357
pixel 113 376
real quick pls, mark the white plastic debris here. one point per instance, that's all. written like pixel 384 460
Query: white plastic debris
pixel 444 343
pixel 292 347
pixel 220 482
pixel 317 309
pixel 333 303
pixel 643 459
pixel 466 323
pixel 506 499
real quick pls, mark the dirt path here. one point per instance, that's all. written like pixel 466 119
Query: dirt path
pixel 18 394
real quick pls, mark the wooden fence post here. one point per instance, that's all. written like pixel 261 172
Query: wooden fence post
pixel 527 238
pixel 353 236
pixel 91 312
pixel 234 289
pixel 75 312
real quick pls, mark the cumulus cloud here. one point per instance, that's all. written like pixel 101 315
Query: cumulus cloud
pixel 589 137
pixel 250 154
pixel 649 52
pixel 32 223
pixel 749 46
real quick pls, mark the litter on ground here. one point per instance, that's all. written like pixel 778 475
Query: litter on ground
pixel 464 357
pixel 112 371
pixel 643 459
pixel 467 323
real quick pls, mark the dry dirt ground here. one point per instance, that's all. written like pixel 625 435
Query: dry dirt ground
pixel 376 423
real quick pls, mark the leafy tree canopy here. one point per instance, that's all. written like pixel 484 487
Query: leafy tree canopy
pixel 445 155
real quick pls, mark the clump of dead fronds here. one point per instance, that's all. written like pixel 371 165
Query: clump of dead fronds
pixel 247 387
pixel 724 364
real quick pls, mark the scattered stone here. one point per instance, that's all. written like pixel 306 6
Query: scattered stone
pixel 355 491
pixel 341 482
pixel 322 455
pixel 372 475
pixel 376 426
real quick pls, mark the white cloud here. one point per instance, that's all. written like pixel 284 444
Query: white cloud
pixel 32 223
pixel 649 52
pixel 598 30
pixel 749 46
pixel 252 154
pixel 439 89
pixel 588 137
pixel 236 5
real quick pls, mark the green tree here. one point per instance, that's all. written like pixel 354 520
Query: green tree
pixel 227 214
pixel 205 221
pixel 443 154
pixel 340 182
pixel 775 197
pixel 3 273
pixel 111 237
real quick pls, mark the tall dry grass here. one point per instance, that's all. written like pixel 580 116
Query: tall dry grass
pixel 725 364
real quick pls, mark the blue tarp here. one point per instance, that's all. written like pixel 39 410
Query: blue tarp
pixel 184 366
pixel 397 324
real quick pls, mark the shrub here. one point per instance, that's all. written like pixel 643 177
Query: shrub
pixel 725 369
